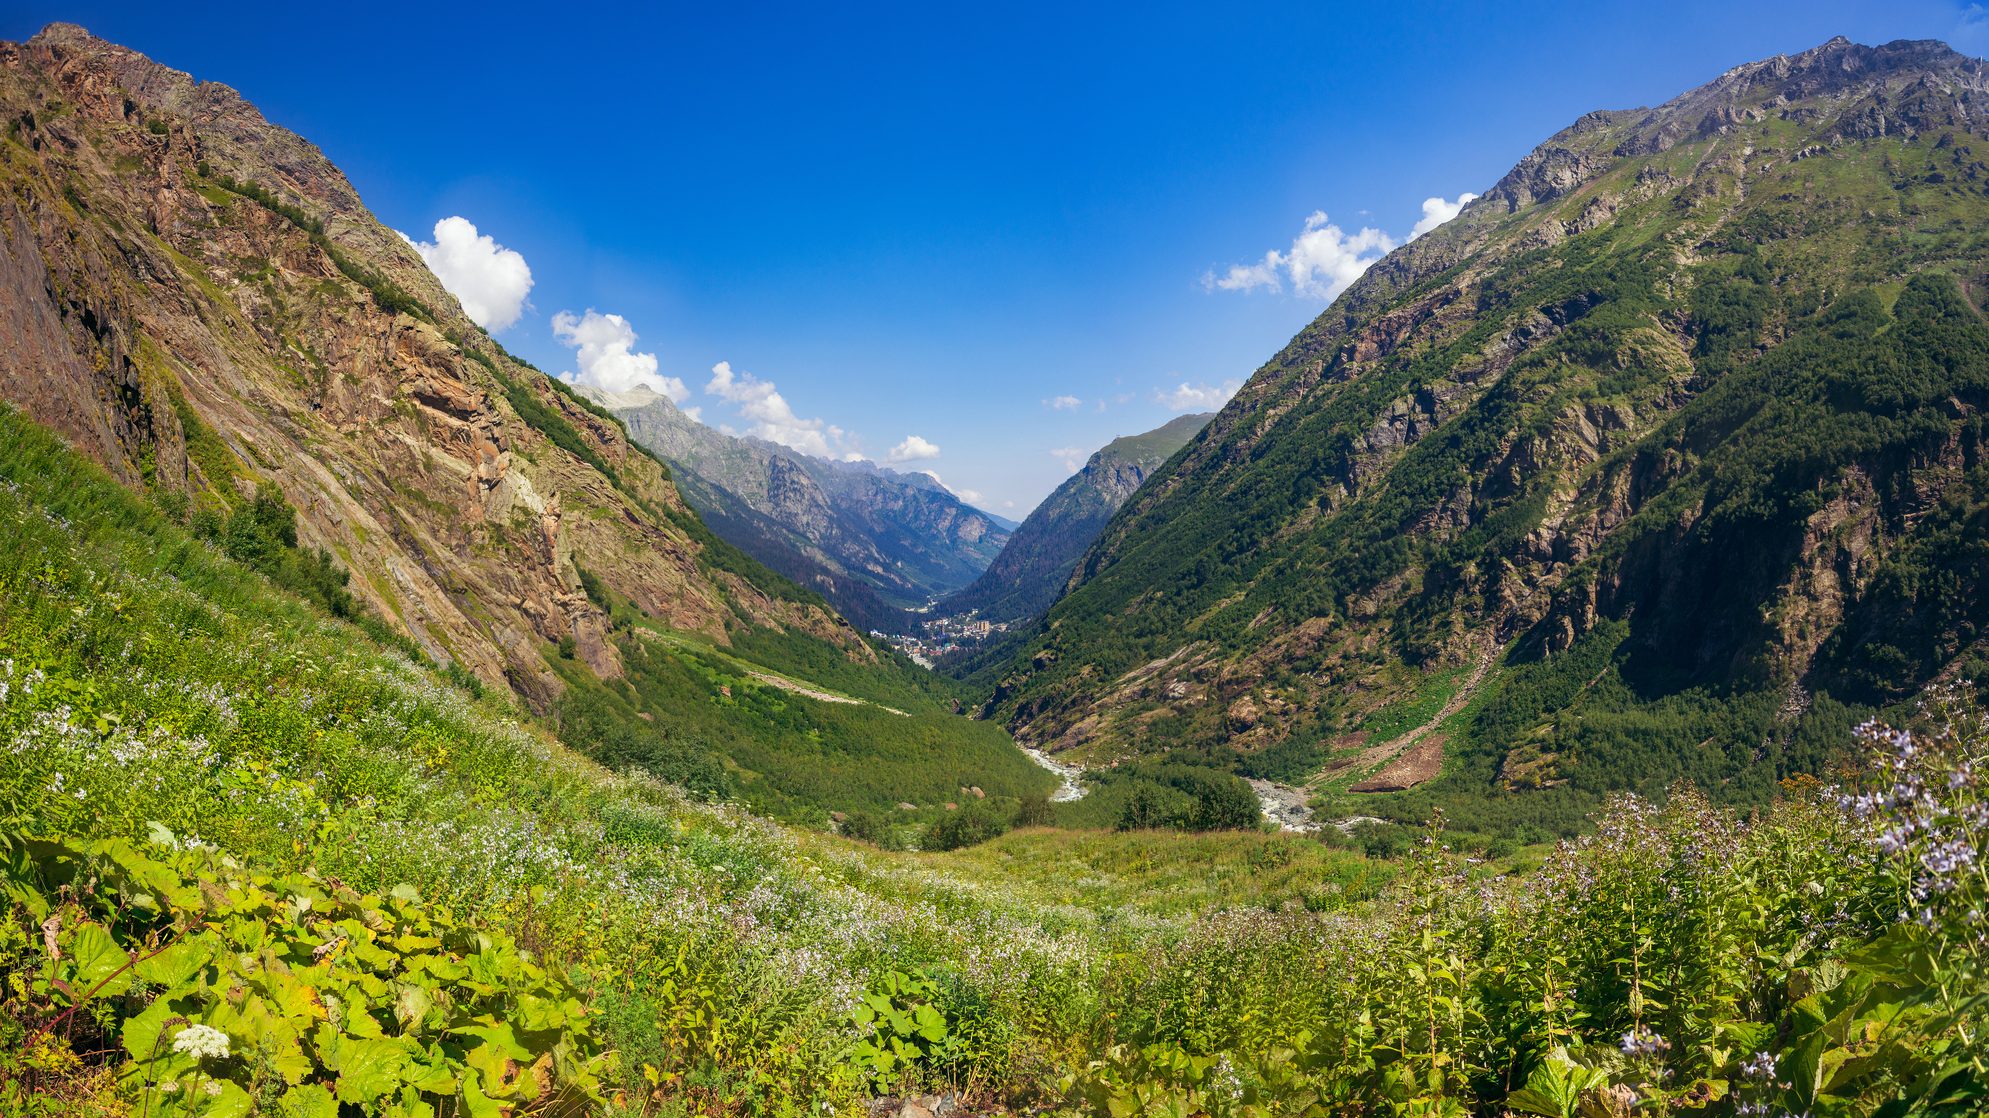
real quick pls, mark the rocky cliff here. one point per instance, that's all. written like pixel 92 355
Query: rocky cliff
pixel 871 540
pixel 1678 428
pixel 199 299
pixel 1032 569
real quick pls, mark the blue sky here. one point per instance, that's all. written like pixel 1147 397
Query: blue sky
pixel 938 220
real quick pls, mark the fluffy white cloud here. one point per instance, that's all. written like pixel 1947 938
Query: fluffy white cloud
pixel 604 350
pixel 773 419
pixel 1322 260
pixel 1072 457
pixel 1436 211
pixel 913 449
pixel 1062 403
pixel 491 281
pixel 1197 397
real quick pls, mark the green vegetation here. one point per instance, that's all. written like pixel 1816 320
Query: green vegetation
pixel 730 727
pixel 387 295
pixel 1172 795
pixel 1166 873
pixel 475 879
pixel 290 994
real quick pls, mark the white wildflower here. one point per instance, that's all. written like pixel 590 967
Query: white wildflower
pixel 202 1042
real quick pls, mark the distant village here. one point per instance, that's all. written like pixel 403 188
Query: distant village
pixel 942 635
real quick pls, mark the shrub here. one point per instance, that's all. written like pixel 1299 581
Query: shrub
pixel 210 986
pixel 972 824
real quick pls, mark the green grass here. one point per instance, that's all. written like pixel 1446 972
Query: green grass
pixel 1168 873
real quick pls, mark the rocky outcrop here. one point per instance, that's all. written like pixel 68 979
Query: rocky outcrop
pixel 199 300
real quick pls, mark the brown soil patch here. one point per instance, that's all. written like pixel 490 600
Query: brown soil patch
pixel 1423 761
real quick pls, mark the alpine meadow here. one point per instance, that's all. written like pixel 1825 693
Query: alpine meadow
pixel 1552 684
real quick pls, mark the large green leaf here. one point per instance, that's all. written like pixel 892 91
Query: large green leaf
pixel 98 958
pixel 232 1102
pixel 368 1068
pixel 181 961
pixel 1555 1087
pixel 308 1100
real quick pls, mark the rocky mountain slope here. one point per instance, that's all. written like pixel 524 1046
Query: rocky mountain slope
pixel 1679 427
pixel 199 300
pixel 871 540
pixel 1032 569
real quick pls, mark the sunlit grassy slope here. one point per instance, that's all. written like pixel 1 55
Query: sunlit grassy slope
pixel 255 860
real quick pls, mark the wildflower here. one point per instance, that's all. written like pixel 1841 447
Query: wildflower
pixel 202 1042
pixel 212 1089
pixel 1762 1066
pixel 1640 1042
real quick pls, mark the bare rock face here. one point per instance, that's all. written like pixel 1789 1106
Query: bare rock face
pixel 198 299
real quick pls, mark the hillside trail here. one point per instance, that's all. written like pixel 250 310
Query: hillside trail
pixel 806 691
pixel 761 675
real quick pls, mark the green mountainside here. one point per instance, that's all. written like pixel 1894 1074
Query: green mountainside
pixel 1643 468
pixel 1031 570
pixel 871 540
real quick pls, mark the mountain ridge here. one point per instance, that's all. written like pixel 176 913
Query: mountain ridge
pixel 1473 450
pixel 873 540
pixel 1033 568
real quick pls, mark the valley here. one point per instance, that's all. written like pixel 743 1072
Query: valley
pixel 1543 687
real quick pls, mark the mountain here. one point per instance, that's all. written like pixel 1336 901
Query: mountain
pixel 871 540
pixel 1664 451
pixel 1031 571
pixel 199 301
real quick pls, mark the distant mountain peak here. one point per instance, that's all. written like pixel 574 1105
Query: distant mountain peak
pixel 1032 569
pixel 872 539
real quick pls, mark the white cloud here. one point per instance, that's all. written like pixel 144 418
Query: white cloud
pixel 491 281
pixel 913 449
pixel 1321 262
pixel 773 419
pixel 1324 259
pixel 604 351
pixel 1072 457
pixel 1062 403
pixel 1197 397
pixel 1436 211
